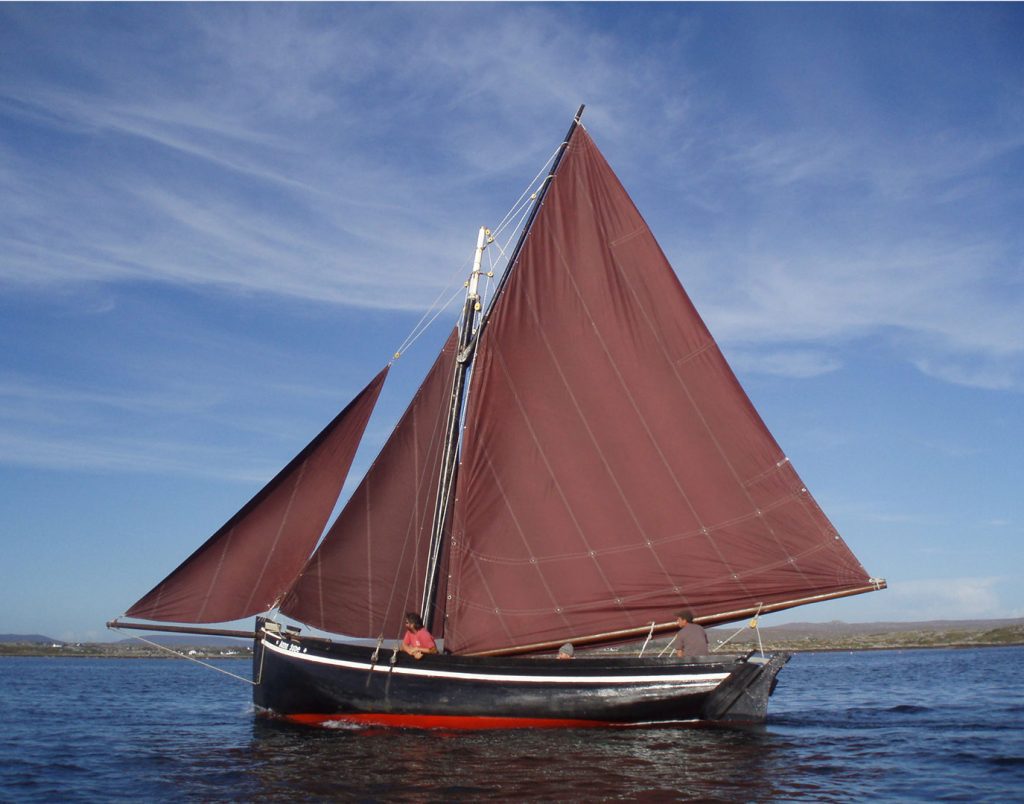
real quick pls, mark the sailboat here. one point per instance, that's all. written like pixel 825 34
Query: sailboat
pixel 579 463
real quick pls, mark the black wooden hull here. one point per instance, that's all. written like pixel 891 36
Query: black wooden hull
pixel 317 682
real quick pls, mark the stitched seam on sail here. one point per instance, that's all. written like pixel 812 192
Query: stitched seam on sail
pixel 540 448
pixel 495 607
pixel 216 574
pixel 771 470
pixel 568 272
pixel 662 540
pixel 625 388
pixel 696 408
pixel 625 279
pixel 320 585
pixel 627 237
pixel 709 344
pixel 277 537
pixel 435 446
pixel 500 361
pixel 535 562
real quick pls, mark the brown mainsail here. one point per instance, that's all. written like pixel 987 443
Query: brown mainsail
pixel 613 469
pixel 247 565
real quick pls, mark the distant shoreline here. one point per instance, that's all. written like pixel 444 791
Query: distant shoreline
pixel 796 638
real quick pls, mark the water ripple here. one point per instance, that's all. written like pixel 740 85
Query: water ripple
pixel 896 726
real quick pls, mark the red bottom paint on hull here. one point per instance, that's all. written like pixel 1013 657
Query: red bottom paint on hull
pixel 446 722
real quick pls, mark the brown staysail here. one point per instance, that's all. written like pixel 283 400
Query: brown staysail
pixel 246 566
pixel 613 469
pixel 369 569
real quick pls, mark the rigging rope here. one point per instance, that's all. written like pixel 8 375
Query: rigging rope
pixel 514 217
pixel 649 635
pixel 528 194
pixel 751 624
pixel 190 658
pixel 423 324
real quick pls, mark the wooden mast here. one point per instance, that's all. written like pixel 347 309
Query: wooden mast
pixel 464 357
pixel 449 456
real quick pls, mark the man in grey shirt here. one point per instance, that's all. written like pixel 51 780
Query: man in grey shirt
pixel 691 639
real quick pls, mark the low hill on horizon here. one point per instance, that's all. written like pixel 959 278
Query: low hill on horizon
pixel 838 635
pixel 187 640
pixel 29 639
pixel 886 626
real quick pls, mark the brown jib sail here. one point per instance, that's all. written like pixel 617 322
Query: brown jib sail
pixel 247 565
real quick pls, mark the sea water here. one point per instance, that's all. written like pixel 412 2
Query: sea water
pixel 916 725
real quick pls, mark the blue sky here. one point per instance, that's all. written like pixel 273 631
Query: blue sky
pixel 217 222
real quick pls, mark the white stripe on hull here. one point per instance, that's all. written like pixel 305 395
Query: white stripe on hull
pixel 708 680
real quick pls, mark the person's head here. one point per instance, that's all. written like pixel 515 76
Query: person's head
pixel 413 621
pixel 567 651
pixel 684 616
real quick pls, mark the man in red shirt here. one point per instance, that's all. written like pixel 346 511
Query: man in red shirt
pixel 417 640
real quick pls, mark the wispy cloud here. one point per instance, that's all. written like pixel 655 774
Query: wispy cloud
pixel 796 363
pixel 948 598
pixel 179 188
